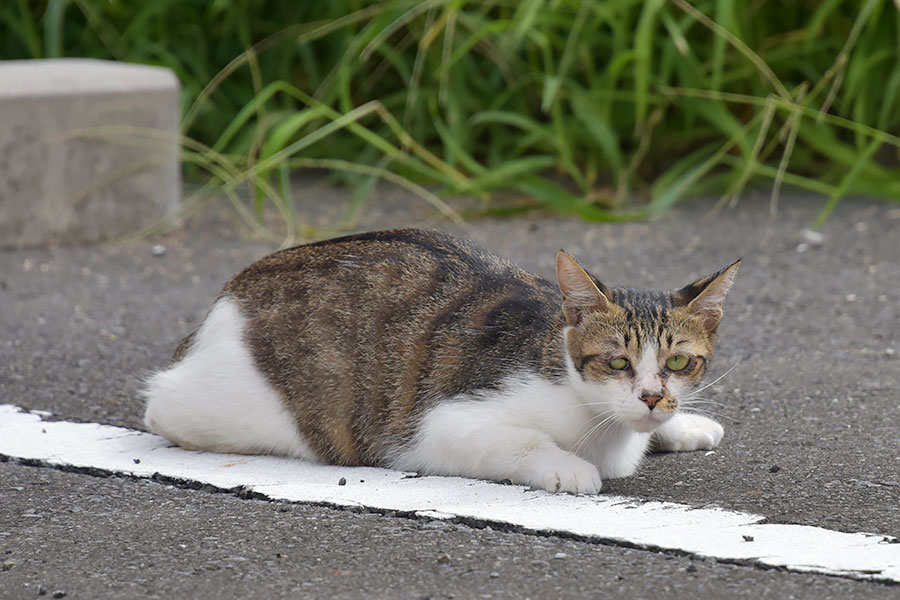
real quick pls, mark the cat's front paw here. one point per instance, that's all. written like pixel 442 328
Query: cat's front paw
pixel 686 432
pixel 567 473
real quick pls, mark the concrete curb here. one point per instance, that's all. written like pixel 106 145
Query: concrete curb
pixel 88 149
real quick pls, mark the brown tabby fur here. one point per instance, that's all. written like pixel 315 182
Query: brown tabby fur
pixel 362 334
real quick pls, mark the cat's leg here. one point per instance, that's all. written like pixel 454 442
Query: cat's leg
pixel 216 399
pixel 460 440
pixel 685 432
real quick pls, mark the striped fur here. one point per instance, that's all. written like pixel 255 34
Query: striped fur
pixel 365 339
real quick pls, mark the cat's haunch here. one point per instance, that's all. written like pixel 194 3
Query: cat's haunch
pixel 415 350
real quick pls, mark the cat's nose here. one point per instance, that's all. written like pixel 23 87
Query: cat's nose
pixel 650 399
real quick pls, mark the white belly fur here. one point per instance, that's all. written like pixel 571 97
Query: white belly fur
pixel 216 399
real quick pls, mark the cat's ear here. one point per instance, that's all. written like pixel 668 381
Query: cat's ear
pixel 580 293
pixel 705 296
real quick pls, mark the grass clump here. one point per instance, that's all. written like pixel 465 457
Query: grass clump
pixel 605 109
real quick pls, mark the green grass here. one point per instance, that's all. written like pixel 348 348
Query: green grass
pixel 604 109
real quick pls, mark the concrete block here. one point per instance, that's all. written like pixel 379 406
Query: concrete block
pixel 88 149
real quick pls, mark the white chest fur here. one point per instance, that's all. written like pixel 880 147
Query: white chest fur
pixel 532 432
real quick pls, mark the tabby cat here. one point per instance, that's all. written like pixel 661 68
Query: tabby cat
pixel 418 351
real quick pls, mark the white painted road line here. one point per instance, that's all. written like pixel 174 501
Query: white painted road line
pixel 708 532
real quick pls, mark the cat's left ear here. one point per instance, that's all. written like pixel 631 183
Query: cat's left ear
pixel 705 297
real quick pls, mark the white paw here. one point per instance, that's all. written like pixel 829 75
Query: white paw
pixel 565 472
pixel 686 432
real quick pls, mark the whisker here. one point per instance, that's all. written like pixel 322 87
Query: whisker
pixel 704 401
pixel 609 420
pixel 598 433
pixel 716 380
pixel 593 428
pixel 603 403
pixel 705 413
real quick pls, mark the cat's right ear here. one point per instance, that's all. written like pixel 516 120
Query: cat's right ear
pixel 580 293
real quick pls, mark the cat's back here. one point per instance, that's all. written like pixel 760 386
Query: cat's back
pixel 421 279
pixel 384 261
pixel 363 333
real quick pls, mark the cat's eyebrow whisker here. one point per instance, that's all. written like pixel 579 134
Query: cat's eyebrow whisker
pixel 716 380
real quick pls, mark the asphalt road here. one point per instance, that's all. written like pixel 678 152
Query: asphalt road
pixel 812 416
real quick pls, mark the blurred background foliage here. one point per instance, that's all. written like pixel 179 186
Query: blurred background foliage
pixel 606 109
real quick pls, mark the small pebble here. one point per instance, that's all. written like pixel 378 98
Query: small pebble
pixel 342 481
pixel 812 237
pixel 560 555
pixel 774 469
pixel 158 250
pixel 136 461
pixel 443 559
pixel 59 594
pixel 8 565
pixel 748 538
pixel 42 591
pixel 495 574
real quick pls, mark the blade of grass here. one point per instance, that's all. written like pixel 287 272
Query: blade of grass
pixel 840 63
pixel 53 25
pixel 552 195
pixel 739 45
pixel 846 181
pixel 664 199
pixel 752 159
pixel 643 41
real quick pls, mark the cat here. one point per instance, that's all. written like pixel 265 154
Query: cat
pixel 418 351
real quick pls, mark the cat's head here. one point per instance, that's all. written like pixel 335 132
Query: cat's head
pixel 633 354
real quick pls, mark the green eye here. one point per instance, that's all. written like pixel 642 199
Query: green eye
pixel 677 362
pixel 619 364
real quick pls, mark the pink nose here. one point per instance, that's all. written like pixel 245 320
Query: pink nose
pixel 650 400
